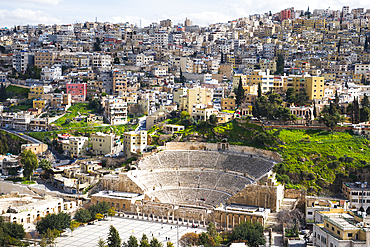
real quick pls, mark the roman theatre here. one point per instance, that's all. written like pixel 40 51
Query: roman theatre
pixel 197 183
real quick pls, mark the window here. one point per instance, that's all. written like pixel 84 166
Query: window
pixel 350 235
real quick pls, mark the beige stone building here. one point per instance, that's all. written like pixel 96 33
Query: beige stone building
pixel 36 148
pixel 105 143
pixel 135 142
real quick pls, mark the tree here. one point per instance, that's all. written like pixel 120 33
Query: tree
pixel 101 242
pixel 51 235
pixel 279 64
pixel 364 114
pixel 132 242
pixel 45 165
pixel 58 221
pixel 259 90
pixel 99 216
pixel 112 212
pixel 83 215
pixel 239 93
pixel 302 97
pixel 144 241
pixel 251 233
pixel 290 95
pixel 29 161
pixel 67 121
pixel 336 99
pixel 213 119
pixel 155 243
pixel 189 239
pixel 73 226
pixel 3 94
pixel 365 101
pixel 113 237
pixel 97 45
pixel 116 60
pixel 356 111
pixel 314 110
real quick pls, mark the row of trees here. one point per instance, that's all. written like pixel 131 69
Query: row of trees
pixel 247 232
pixel 114 240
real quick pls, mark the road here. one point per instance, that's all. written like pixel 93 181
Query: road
pixel 21 134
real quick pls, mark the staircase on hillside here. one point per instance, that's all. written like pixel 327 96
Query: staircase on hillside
pixel 287 204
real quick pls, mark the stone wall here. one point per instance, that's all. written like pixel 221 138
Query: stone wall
pixel 224 146
pixel 120 182
pixel 260 196
pixel 292 193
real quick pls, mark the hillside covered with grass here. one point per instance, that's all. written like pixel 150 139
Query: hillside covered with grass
pixel 320 160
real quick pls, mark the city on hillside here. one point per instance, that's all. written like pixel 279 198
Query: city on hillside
pixel 253 132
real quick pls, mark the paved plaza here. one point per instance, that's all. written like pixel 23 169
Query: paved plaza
pixel 89 235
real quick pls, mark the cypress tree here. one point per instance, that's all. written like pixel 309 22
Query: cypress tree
pixel 314 109
pixel 113 237
pixel 240 93
pixel 259 92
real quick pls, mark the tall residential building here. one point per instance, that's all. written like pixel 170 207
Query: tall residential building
pixel 21 60
pixel 285 14
pixel 188 23
pixel 195 96
pixel 77 91
pixel 119 82
pixel 115 110
pixel 314 85
pixel 161 38
pixel 135 142
pixel 166 23
pixel 44 58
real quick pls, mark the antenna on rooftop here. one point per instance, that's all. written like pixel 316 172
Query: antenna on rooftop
pixel 96 19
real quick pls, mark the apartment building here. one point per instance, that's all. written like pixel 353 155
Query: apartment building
pixel 38 124
pixel 23 59
pixel 228 104
pixel 37 91
pixel 119 82
pixel 105 143
pixel 196 95
pixel 52 73
pixel 362 68
pixel 78 91
pixel 73 146
pixel 338 227
pixel 358 195
pixel 16 120
pixel 314 85
pixel 45 58
pixel 161 38
pixel 135 142
pixel 115 110
pixel 60 101
pixel 101 61
pixel 39 103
